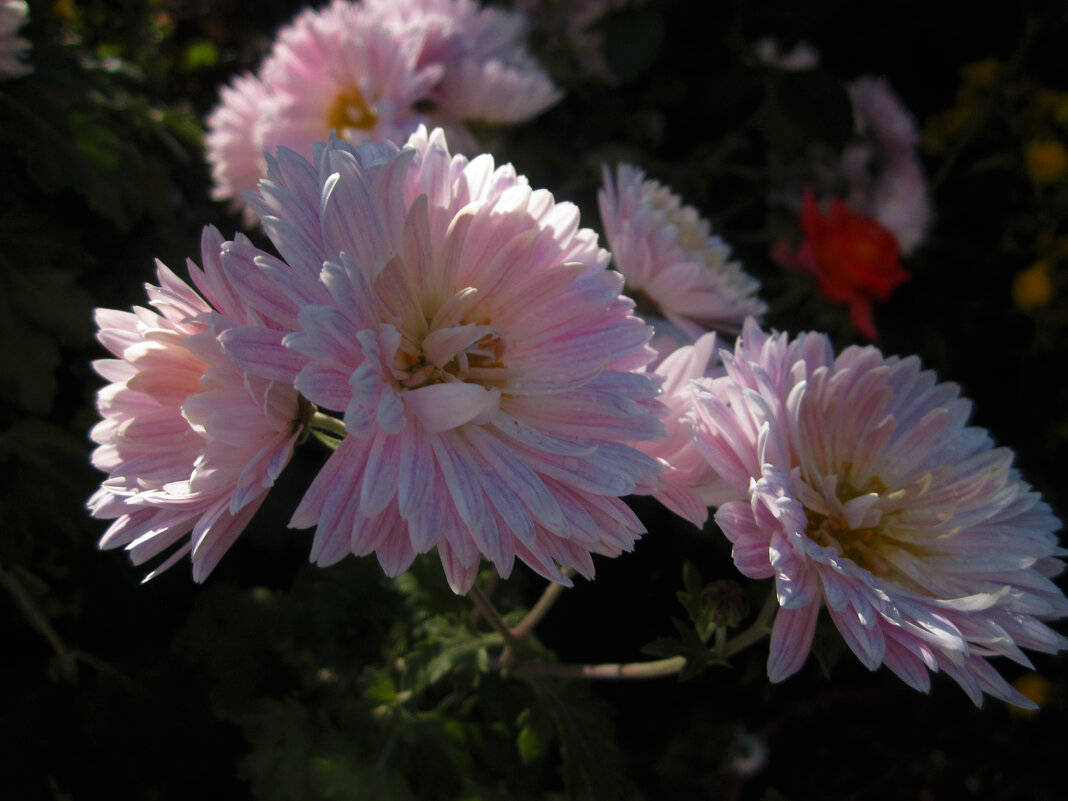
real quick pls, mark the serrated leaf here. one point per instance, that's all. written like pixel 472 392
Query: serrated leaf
pixel 692 600
pixel 593 766
pixel 688 645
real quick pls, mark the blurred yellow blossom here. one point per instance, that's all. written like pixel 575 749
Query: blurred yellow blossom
pixel 1033 287
pixel 1047 161
pixel 977 81
pixel 1036 689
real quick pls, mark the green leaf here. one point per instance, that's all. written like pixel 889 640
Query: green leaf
pixel 445 646
pixel 688 645
pixel 593 765
pixel 633 39
pixel 533 738
pixel 818 103
pixel 691 598
pixel 200 54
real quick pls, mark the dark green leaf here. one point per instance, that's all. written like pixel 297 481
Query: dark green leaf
pixel 593 763
pixel 818 103
pixel 633 40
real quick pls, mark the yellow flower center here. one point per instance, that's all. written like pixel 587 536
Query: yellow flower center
pixel 350 110
pixel 870 548
pixel 860 545
pixel 478 360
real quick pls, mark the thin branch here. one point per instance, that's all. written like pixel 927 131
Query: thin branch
pixel 758 629
pixel 493 617
pixel 541 608
pixel 611 670
pixel 39 621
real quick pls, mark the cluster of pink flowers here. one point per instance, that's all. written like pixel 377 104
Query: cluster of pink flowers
pixel 374 71
pixel 466 330
pixel 490 393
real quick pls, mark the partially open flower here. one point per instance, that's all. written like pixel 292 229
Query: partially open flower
pixel 689 484
pixel 671 263
pixel 191 442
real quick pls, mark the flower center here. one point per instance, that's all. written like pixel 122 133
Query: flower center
pixel 467 352
pixel 861 545
pixel 351 110
pixel 865 530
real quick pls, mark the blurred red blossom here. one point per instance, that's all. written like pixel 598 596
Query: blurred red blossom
pixel 854 258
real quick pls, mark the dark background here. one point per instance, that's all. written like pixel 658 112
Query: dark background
pixel 256 683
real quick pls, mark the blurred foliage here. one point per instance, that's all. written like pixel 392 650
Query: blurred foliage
pixel 279 680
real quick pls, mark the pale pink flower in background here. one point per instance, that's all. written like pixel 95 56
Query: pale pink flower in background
pixel 13 48
pixel 235 152
pixel 339 68
pixel 802 56
pixel 882 169
pixel 574 25
pixel 859 487
pixel 488 74
pixel 671 263
pixel 487 370
pixel 375 71
pixel 190 442
pixel 689 484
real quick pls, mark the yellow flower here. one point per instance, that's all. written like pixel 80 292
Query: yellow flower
pixel 980 74
pixel 1047 161
pixel 1033 287
pixel 1035 688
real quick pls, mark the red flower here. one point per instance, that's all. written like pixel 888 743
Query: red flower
pixel 854 258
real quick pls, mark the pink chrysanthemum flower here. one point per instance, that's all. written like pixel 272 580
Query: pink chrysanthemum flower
pixel 670 261
pixel 486 366
pixel 340 68
pixel 488 74
pixel 13 47
pixel 689 484
pixel 234 151
pixel 374 71
pixel 882 169
pixel 861 488
pixel 190 442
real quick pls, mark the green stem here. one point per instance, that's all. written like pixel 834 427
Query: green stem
pixel 610 670
pixel 541 608
pixel 493 617
pixel 39 621
pixel 328 430
pixel 756 631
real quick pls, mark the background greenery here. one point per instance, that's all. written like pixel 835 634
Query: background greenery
pixel 278 680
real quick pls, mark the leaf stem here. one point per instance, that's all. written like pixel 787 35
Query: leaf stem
pixel 610 670
pixel 541 608
pixel 493 617
pixel 756 631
